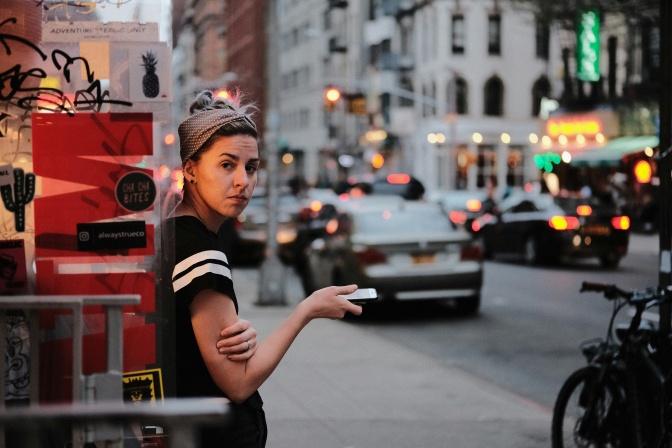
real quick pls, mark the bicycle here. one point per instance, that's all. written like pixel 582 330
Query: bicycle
pixel 622 397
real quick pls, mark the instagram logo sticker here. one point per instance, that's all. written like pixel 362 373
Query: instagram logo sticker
pixel 84 236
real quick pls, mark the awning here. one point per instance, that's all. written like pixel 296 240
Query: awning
pixel 612 153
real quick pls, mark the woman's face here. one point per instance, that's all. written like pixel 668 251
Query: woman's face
pixel 226 174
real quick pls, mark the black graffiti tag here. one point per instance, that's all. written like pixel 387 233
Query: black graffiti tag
pixel 15 80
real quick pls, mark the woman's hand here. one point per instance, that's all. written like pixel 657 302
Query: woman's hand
pixel 329 303
pixel 238 341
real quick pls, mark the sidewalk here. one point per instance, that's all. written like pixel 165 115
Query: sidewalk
pixel 343 387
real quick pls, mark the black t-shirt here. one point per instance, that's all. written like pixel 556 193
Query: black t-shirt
pixel 200 264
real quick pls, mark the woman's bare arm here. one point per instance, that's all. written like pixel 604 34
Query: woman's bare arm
pixel 212 311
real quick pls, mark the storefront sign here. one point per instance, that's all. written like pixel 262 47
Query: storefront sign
pixel 100 32
pixel 573 126
pixel 97 236
pixel 588 46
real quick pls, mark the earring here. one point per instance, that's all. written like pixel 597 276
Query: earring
pixel 192 181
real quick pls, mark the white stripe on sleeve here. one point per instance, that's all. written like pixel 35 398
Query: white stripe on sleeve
pixel 197 258
pixel 213 268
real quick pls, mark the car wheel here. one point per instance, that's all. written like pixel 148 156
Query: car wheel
pixel 487 250
pixel 307 281
pixel 531 250
pixel 610 261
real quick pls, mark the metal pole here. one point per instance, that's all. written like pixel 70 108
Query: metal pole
pixel 272 271
pixel 665 163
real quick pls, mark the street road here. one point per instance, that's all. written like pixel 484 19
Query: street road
pixel 532 320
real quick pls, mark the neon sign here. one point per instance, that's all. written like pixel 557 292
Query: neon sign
pixel 574 126
pixel 588 46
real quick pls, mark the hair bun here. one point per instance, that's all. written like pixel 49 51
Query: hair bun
pixel 206 100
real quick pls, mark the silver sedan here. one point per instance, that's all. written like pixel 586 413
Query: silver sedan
pixel 407 250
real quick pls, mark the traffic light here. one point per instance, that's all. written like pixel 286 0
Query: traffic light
pixel 331 97
pixel 547 161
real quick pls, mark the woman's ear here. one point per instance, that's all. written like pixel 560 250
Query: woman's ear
pixel 188 172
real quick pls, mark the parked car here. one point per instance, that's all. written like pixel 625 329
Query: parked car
pixel 248 232
pixel 542 228
pixel 463 206
pixel 407 250
pixel 400 184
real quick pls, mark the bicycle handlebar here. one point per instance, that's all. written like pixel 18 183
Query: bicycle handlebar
pixel 611 291
pixel 647 296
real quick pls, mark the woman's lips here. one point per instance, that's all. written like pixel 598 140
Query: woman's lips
pixel 238 198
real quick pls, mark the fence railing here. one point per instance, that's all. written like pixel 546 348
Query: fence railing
pixel 97 411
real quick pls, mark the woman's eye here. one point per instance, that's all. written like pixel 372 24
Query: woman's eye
pixel 227 165
pixel 252 169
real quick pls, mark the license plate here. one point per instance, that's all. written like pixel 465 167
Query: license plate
pixel 596 229
pixel 423 258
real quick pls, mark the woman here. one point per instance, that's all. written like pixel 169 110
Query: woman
pixel 220 160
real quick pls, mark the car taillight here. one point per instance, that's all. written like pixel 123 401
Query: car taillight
pixel 584 210
pixel 398 178
pixel 458 217
pixel 473 205
pixel 564 222
pixel 367 256
pixel 620 222
pixel 471 252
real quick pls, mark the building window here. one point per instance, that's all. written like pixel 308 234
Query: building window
pixel 462 96
pixel 462 163
pixel 428 102
pixel 542 39
pixel 407 99
pixel 456 94
pixel 494 34
pixel 541 89
pixel 487 167
pixel 515 167
pixel 458 37
pixel 494 96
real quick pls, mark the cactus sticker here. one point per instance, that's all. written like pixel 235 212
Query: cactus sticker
pixel 15 197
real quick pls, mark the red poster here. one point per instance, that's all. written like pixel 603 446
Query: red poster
pixel 80 160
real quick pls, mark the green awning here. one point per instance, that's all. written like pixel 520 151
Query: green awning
pixel 612 153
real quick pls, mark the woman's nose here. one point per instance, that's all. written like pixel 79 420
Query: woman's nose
pixel 241 177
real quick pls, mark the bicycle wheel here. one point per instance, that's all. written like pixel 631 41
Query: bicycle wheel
pixel 586 413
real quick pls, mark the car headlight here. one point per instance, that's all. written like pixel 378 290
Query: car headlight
pixel 285 236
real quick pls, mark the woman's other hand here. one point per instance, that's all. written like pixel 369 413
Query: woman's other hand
pixel 329 303
pixel 238 341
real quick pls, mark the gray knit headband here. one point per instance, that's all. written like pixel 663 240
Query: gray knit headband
pixel 198 128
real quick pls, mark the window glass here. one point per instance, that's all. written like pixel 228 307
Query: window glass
pixel 458 34
pixel 401 222
pixel 494 34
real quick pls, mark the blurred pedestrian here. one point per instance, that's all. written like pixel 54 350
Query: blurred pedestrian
pixel 220 159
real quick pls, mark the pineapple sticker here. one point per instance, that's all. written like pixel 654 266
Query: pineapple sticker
pixel 150 81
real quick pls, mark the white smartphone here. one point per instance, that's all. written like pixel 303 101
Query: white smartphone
pixel 362 295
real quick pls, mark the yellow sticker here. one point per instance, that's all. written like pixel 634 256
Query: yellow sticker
pixel 145 386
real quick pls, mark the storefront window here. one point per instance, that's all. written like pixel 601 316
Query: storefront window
pixel 487 166
pixel 85 169
pixel 515 165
